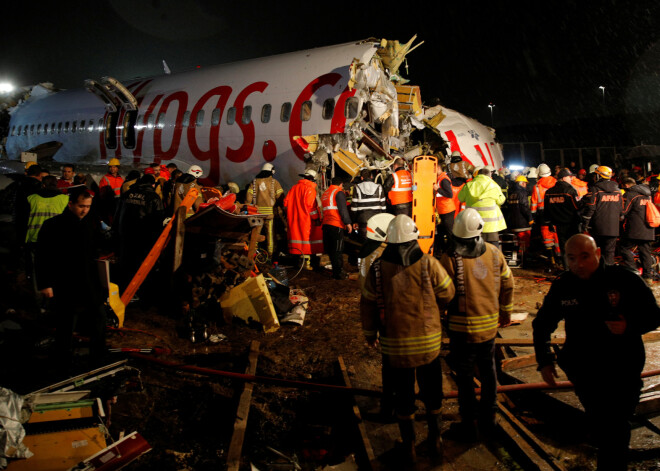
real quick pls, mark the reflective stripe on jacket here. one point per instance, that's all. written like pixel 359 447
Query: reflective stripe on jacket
pixel 114 182
pixel 444 205
pixel 401 191
pixel 331 215
pixel 42 209
pixel 304 233
pixel 486 196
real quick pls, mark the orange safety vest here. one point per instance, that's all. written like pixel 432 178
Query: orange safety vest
pixel 401 191
pixel 458 206
pixel 331 215
pixel 538 193
pixel 114 182
pixel 444 205
pixel 580 186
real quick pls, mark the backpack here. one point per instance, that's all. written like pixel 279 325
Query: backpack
pixel 652 214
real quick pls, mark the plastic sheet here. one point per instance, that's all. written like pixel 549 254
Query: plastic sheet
pixel 11 429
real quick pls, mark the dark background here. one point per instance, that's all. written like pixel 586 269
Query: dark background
pixel 540 63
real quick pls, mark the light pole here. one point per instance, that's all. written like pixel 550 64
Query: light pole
pixel 491 106
pixel 603 90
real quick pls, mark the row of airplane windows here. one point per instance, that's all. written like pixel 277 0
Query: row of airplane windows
pixel 327 111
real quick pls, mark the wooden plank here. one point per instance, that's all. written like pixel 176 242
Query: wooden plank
pixel 179 236
pixel 519 362
pixel 240 423
pixel 368 449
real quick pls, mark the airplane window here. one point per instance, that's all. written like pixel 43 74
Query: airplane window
pixel 13 130
pixel 39 129
pixel 59 127
pixel 150 121
pixel 306 111
pixel 351 108
pixel 328 108
pixel 82 125
pixel 19 131
pixel 247 114
pixel 46 128
pixel 160 122
pixel 215 117
pixel 90 126
pixel 74 125
pixel 285 113
pixel 52 128
pixel 100 125
pixel 200 118
pixel 265 113
pixel 231 115
pixel 25 130
pixel 186 119
pixel 67 126
pixel 32 130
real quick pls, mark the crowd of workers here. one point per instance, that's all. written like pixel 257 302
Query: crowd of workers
pixel 580 216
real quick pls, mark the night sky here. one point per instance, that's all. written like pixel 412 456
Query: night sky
pixel 538 62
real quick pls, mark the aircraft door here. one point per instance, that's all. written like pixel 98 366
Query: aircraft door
pixel 128 129
pixel 111 130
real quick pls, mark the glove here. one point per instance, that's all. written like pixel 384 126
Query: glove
pixel 166 221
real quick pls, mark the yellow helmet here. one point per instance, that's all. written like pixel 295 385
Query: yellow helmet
pixel 604 172
pixel 114 163
pixel 522 178
pixel 29 164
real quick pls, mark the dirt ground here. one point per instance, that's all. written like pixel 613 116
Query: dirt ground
pixel 188 418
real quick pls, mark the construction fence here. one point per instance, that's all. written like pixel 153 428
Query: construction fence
pixel 531 154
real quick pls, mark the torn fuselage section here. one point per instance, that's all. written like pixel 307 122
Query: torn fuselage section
pixel 387 112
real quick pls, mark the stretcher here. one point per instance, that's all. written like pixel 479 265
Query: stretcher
pixel 425 169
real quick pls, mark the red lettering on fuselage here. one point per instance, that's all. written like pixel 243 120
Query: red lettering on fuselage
pixel 295 124
pixel 339 115
pixel 245 150
pixel 213 154
pixel 140 136
pixel 159 154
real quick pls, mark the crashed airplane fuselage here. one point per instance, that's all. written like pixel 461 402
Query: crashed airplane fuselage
pixel 229 119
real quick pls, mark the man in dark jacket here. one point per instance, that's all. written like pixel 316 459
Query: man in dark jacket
pixel 636 232
pixel 139 223
pixel 66 271
pixel 606 309
pixel 561 208
pixel 601 212
pixel 519 217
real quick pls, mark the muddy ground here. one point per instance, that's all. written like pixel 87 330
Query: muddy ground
pixel 188 418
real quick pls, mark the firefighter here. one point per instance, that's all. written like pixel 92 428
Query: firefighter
pixel 445 208
pixel 484 195
pixel 606 309
pixel 550 240
pixel 398 188
pixel 484 287
pixel 561 209
pixel 110 191
pixel 305 234
pixel 602 210
pixel 266 193
pixel 183 184
pixel 402 298
pixel 336 221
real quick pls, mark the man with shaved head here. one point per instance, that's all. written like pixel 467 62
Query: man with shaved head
pixel 606 309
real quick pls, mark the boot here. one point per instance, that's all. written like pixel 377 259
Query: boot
pixel 407 429
pixel 434 438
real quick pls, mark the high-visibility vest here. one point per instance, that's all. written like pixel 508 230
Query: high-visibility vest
pixel 114 182
pixel 401 191
pixel 331 215
pixel 580 186
pixel 459 206
pixel 42 209
pixel 444 205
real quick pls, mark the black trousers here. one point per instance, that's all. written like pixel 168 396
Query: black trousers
pixel 463 357
pixel 644 249
pixel 333 245
pixel 607 245
pixel 403 208
pixel 88 318
pixel 443 231
pixel 429 378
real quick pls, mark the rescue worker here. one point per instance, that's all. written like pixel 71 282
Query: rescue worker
pixel 636 231
pixel 131 178
pixel 183 184
pixel 532 178
pixel 67 273
pixel 606 309
pixel 486 196
pixel 519 220
pixel 403 295
pixel 445 209
pixel 44 204
pixel 305 235
pixel 336 221
pixel 602 210
pixel 461 172
pixel 550 240
pixel 266 193
pixel 580 184
pixel 68 172
pixel 484 300
pixel 398 188
pixel 368 200
pixel 110 191
pixel 562 209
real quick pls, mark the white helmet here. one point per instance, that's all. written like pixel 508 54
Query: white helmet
pixel 592 168
pixel 544 170
pixel 401 229
pixel 490 168
pixel 377 226
pixel 268 167
pixel 468 224
pixel 196 171
pixel 532 173
pixel 309 173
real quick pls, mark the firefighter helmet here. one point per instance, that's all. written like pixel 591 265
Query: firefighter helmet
pixel 544 171
pixel 113 162
pixel 522 178
pixel 468 224
pixel 268 167
pixel 592 168
pixel 233 187
pixel 532 173
pixel 401 229
pixel 30 164
pixel 604 172
pixel 196 171
pixel 309 173
pixel 377 226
